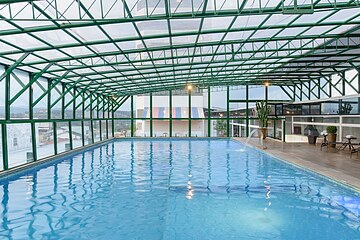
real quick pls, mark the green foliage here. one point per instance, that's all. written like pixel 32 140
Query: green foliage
pixel 331 129
pixel 221 126
pixel 262 111
pixel 345 108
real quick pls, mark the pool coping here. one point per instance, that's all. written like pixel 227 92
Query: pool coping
pixel 321 171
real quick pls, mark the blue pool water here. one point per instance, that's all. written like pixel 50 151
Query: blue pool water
pixel 175 189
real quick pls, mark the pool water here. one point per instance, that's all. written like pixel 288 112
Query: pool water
pixel 175 189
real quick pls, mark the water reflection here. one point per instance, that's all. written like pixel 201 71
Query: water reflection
pixel 137 179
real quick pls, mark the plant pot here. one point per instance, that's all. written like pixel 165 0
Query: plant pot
pixel 312 139
pixel 332 138
pixel 264 132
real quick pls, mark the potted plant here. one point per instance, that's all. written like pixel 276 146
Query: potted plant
pixel 331 131
pixel 262 111
pixel 312 134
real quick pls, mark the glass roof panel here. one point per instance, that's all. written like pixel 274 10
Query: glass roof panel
pixel 5 47
pixel 210 37
pixel 120 30
pixel 147 28
pixel 89 33
pixel 6 26
pixel 23 41
pixel 56 37
pixel 217 23
pixel 258 36
pixel 109 47
pixel 183 25
pixel 76 51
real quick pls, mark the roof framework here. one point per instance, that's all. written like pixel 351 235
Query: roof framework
pixel 126 47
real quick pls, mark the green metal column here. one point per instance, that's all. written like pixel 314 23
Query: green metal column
pixel 112 119
pixel 209 112
pixel 4 126
pixel 227 111
pixel 70 135
pixel 151 116
pixel 247 110
pixel 92 131
pixel 74 104
pixel 31 116
pixel 7 97
pixel 83 133
pixel 107 128
pixel 62 101
pixel 189 114
pixel 49 100
pixel 283 130
pixel 100 130
pixel 266 98
pixel 132 115
pixel 55 138
pixel 274 128
pixel 266 94
pixel 170 114
pixel 4 146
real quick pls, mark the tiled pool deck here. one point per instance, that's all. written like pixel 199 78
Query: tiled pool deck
pixel 331 163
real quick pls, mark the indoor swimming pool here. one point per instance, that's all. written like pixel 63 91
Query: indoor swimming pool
pixel 175 189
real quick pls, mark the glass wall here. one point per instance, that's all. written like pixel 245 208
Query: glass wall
pixel 49 102
pixel 19 144
pixel 63 137
pixel 20 106
pixel 44 139
pixel 77 134
pixel 40 109
pixel 96 130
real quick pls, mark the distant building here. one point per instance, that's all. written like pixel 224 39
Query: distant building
pixel 161 110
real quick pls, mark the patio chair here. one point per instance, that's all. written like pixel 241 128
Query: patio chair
pixel 325 142
pixel 348 143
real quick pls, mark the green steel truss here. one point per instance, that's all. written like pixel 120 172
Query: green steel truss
pixel 123 47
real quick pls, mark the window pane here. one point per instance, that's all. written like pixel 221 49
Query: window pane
pixel 218 104
pixel 218 128
pixel 180 128
pixel 40 109
pixel 19 144
pixel 110 133
pixel 76 134
pixel 63 141
pixel 44 139
pixel 161 128
pixel 19 108
pixel 87 103
pixel 56 102
pixel 96 129
pixel 122 128
pixel 68 98
pixel 78 104
pixel 103 129
pixel 87 132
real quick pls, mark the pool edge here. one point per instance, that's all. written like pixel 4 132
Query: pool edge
pixel 305 168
